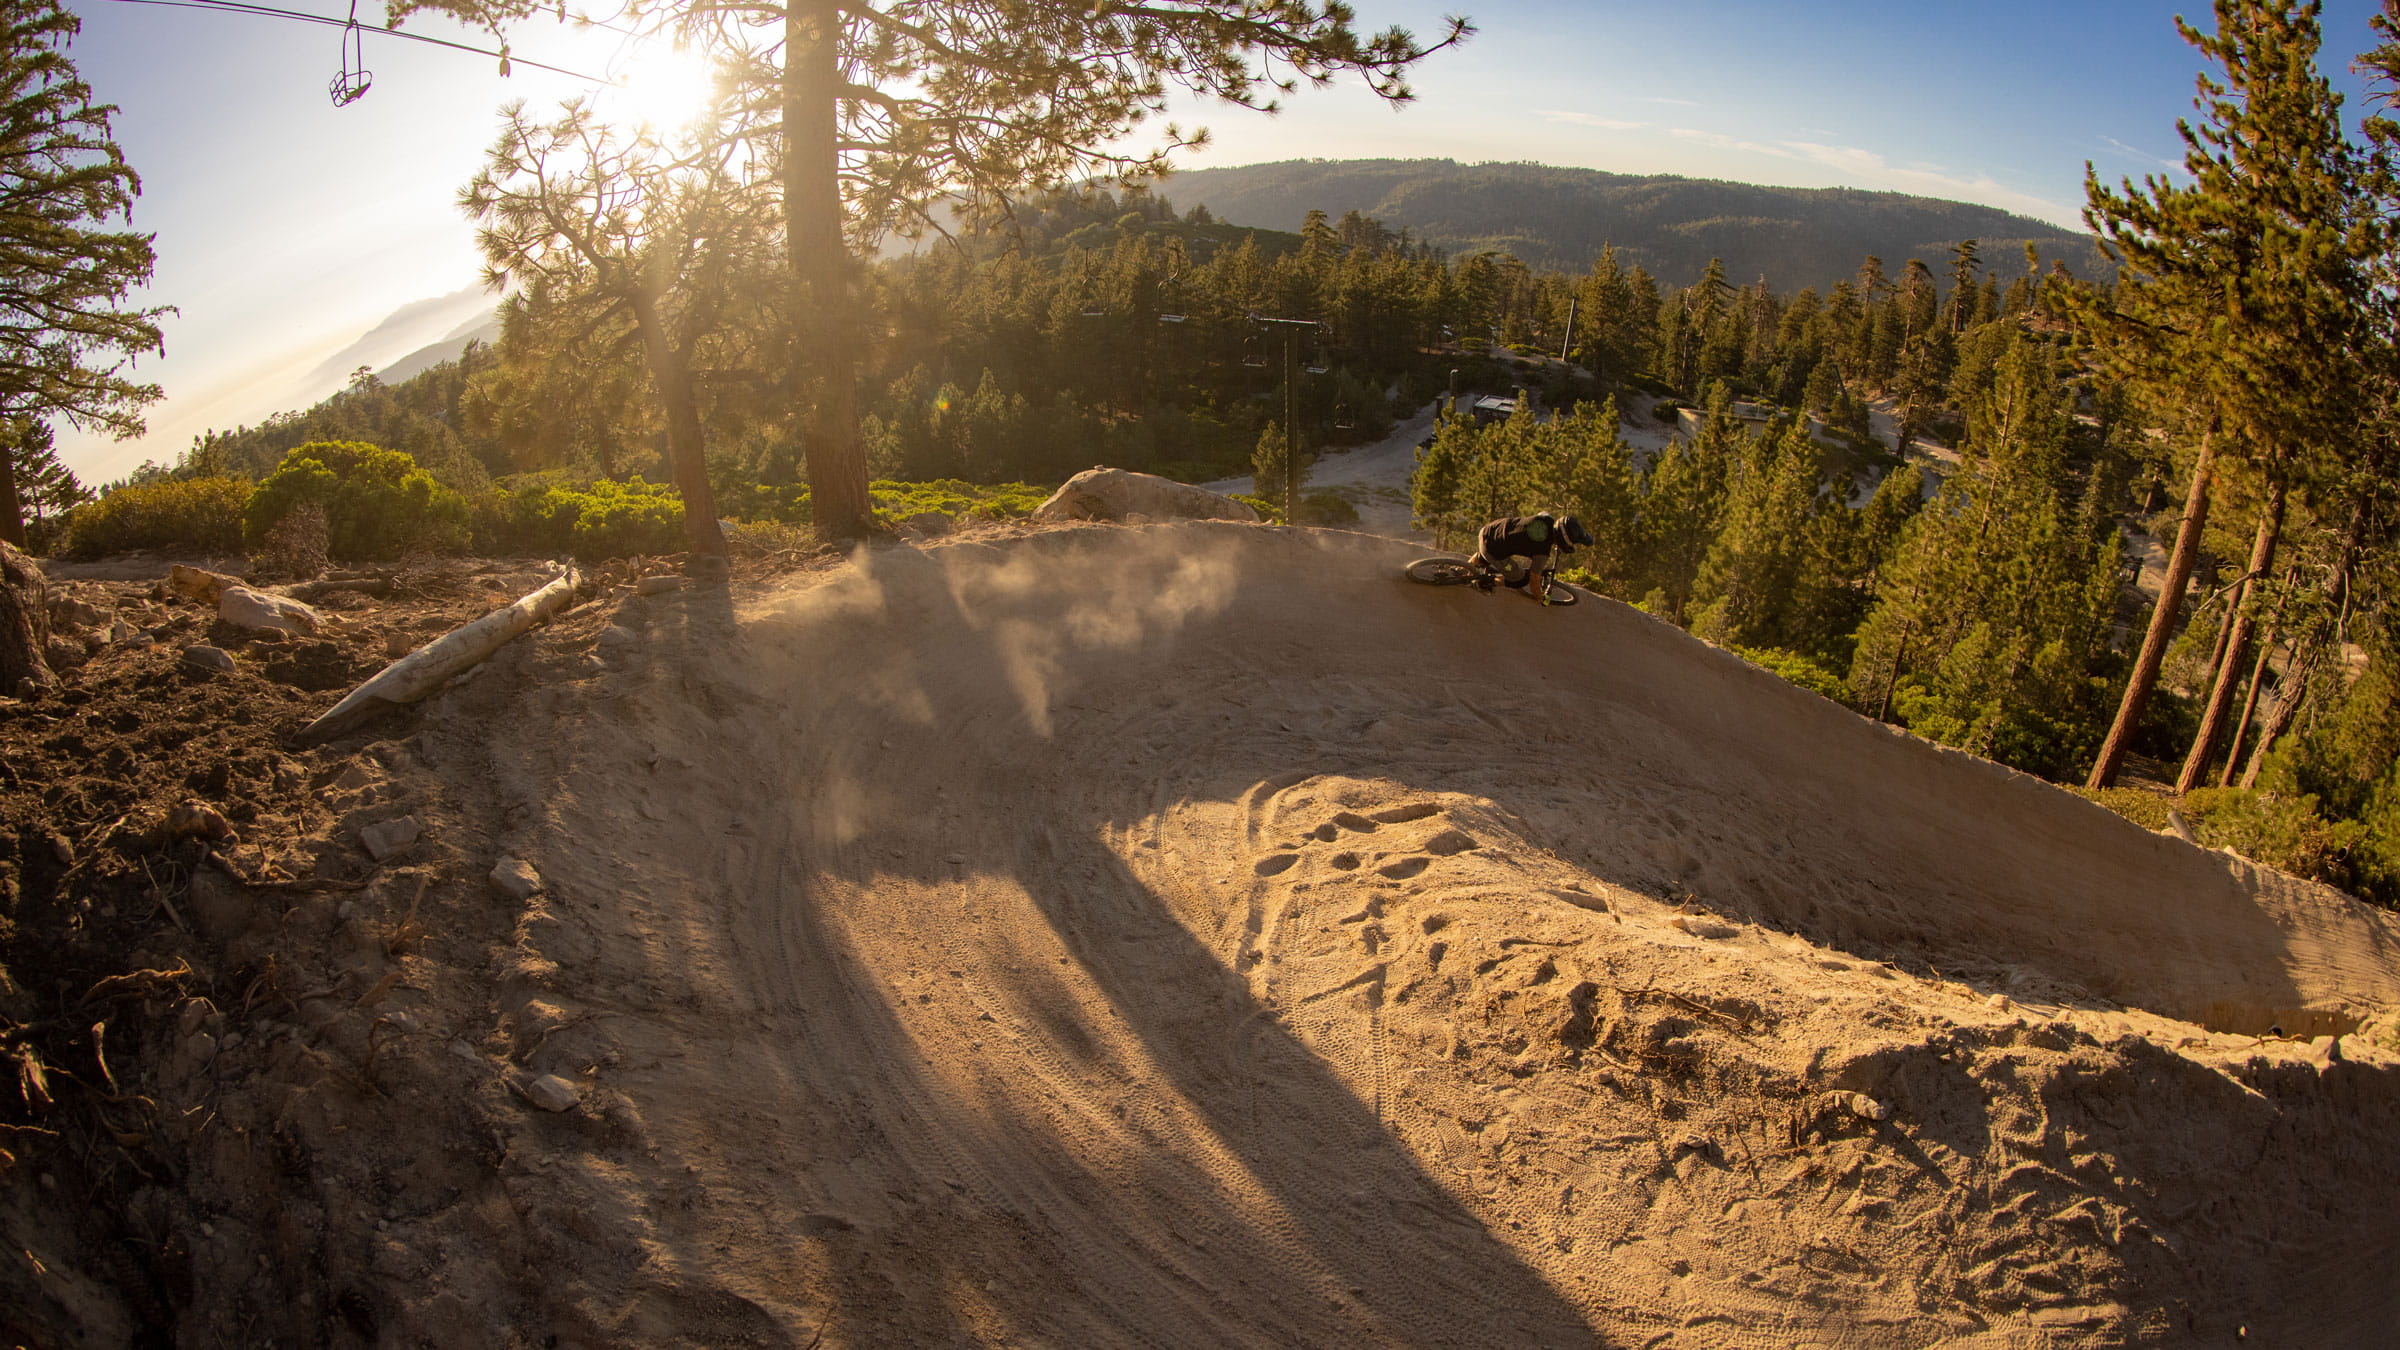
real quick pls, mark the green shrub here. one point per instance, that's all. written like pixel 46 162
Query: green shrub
pixel 785 504
pixel 894 500
pixel 626 519
pixel 1797 669
pixel 202 515
pixel 2146 809
pixel 898 501
pixel 377 502
pixel 550 514
pixel 2286 833
pixel 527 515
pixel 1324 506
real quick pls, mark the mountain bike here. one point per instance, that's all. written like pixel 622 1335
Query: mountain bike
pixel 1454 571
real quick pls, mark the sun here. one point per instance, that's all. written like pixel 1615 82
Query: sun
pixel 661 87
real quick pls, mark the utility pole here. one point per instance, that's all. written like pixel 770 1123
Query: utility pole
pixel 1291 407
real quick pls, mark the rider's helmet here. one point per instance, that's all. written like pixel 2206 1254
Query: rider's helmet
pixel 1577 536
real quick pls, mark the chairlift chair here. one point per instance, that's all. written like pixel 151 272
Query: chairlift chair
pixel 355 79
pixel 1254 352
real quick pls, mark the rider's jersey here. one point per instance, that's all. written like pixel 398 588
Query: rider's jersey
pixel 1506 538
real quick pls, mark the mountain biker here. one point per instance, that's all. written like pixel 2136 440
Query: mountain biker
pixel 1508 547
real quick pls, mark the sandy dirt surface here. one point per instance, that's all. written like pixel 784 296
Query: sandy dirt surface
pixel 1197 935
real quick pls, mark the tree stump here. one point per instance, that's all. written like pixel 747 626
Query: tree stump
pixel 24 623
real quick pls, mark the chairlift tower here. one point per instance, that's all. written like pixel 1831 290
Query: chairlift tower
pixel 1291 330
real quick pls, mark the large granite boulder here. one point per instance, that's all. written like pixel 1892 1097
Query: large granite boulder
pixel 1121 494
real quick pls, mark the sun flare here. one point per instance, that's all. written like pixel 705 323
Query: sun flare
pixel 661 87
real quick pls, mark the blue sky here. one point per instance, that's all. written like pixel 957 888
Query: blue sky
pixel 286 227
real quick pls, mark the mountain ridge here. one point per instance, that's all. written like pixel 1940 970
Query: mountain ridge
pixel 1556 218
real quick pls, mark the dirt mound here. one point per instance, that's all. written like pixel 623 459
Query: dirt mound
pixel 1197 935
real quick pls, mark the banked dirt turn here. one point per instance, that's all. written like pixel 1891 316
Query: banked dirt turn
pixel 1196 935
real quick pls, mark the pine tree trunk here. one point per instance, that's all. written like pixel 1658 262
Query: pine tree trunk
pixel 2279 716
pixel 24 623
pixel 12 507
pixel 822 267
pixel 2162 618
pixel 2241 725
pixel 687 445
pixel 2295 681
pixel 2238 626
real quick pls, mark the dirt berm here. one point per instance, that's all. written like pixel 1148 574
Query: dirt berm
pixel 1197 935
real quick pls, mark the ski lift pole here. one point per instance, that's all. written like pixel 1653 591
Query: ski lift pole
pixel 1290 329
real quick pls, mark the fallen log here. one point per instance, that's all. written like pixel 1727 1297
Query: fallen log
pixel 313 591
pixel 435 664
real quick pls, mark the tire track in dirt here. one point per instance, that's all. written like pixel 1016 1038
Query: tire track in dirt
pixel 1184 937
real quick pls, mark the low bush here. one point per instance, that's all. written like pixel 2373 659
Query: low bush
pixel 2146 809
pixel 897 501
pixel 550 514
pixel 378 504
pixel 2286 833
pixel 1797 669
pixel 1324 506
pixel 202 515
pixel 616 519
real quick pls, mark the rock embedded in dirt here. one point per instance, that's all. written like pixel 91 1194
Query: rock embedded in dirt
pixel 214 660
pixel 1861 1105
pixel 552 1093
pixel 658 585
pixel 516 878
pixel 258 611
pixel 67 611
pixel 186 820
pixel 388 839
pixel 1701 927
pixel 197 584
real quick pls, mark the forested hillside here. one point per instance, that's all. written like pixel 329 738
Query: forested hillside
pixel 1557 218
pixel 1997 610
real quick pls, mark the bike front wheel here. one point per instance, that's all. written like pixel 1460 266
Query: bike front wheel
pixel 1442 571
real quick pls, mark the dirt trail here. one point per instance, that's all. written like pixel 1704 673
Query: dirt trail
pixel 1103 937
pixel 1197 936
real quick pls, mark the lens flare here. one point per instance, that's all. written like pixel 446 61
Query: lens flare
pixel 663 88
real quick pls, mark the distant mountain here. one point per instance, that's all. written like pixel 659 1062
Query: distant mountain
pixel 402 335
pixel 484 328
pixel 1559 219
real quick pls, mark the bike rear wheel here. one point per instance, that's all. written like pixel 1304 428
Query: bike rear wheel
pixel 1441 571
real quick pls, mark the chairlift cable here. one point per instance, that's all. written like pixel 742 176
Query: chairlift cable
pixel 267 11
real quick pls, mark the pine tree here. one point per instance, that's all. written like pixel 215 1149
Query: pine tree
pixel 882 115
pixel 68 334
pixel 45 487
pixel 2237 290
pixel 619 231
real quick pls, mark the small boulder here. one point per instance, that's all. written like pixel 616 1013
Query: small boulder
pixel 188 820
pixel 196 584
pixel 67 611
pixel 258 611
pixel 388 839
pixel 516 878
pixel 552 1093
pixel 213 660
pixel 657 585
